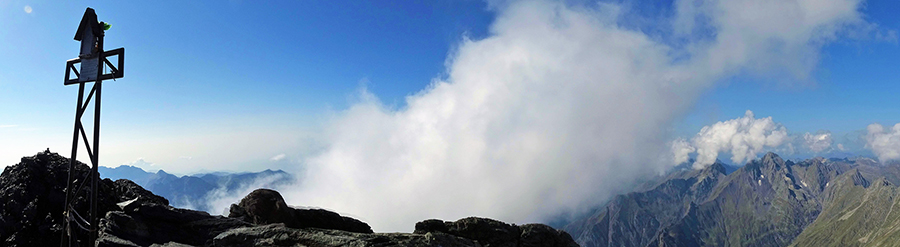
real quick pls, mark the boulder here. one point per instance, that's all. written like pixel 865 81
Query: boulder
pixel 265 206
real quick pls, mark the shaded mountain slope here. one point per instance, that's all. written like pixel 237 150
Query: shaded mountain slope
pixel 762 204
pixel 858 213
pixel 635 218
pixel 768 202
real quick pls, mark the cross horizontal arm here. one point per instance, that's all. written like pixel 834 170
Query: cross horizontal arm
pixel 118 71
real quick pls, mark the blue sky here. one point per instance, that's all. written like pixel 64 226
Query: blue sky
pixel 411 97
pixel 854 85
pixel 200 68
pixel 195 67
pixel 224 66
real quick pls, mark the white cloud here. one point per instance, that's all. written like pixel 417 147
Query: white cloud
pixel 140 162
pixel 823 143
pixel 769 36
pixel 8 126
pixel 819 142
pixel 742 137
pixel 28 9
pixel 556 110
pixel 278 157
pixel 143 164
pixel 681 149
pixel 885 143
pixel 219 200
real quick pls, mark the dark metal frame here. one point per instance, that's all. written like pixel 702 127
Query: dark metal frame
pixel 116 71
pixel 69 234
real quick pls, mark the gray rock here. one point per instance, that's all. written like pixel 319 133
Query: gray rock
pixel 536 235
pixel 488 232
pixel 146 224
pixel 280 235
pixel 265 206
pixel 32 195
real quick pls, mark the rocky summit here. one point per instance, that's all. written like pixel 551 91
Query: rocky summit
pixel 32 194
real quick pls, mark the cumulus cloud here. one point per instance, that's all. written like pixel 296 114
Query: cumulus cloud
pixel 557 109
pixel 884 143
pixel 808 144
pixel 742 137
pixel 681 150
pixel 819 142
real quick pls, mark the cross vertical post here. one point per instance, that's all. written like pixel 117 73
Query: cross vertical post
pixel 93 60
pixel 96 161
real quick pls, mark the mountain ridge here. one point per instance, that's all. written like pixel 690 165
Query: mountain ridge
pixel 196 191
pixel 767 202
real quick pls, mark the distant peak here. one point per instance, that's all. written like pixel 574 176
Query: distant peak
pixel 718 166
pixel 771 157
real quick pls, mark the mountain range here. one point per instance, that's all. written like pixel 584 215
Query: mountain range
pixel 196 191
pixel 767 202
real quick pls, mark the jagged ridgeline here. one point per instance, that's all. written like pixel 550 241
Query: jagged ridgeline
pixel 197 191
pixel 31 205
pixel 767 202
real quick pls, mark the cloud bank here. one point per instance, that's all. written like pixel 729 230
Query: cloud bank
pixel 560 107
pixel 819 142
pixel 743 138
pixel 884 143
pixel 810 144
